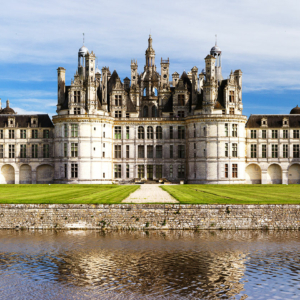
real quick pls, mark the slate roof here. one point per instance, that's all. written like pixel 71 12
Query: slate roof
pixel 169 105
pixel 130 106
pixel 273 121
pixel 23 120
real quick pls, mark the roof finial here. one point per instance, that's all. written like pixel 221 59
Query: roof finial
pixel 7 103
pixel 83 38
pixel 216 39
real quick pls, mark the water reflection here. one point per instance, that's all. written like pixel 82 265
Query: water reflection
pixel 149 265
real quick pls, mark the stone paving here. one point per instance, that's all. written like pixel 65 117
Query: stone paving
pixel 150 193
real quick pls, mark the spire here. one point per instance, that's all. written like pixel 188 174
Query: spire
pixel 216 36
pixel 83 39
pixel 150 42
pixel 7 103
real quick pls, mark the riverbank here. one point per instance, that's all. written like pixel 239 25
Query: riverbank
pixel 148 216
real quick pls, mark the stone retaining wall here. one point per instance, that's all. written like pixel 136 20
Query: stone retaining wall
pixel 149 216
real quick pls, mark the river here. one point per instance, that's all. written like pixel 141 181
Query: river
pixel 149 265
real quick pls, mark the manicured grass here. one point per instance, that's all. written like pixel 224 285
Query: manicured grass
pixel 234 194
pixel 64 193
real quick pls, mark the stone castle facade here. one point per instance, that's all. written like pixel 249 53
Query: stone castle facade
pixel 191 128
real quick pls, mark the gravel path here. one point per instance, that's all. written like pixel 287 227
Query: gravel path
pixel 149 193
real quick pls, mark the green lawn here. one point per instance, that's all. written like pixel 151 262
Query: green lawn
pixel 234 194
pixel 64 193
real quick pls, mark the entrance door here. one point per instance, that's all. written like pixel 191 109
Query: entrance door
pixel 150 172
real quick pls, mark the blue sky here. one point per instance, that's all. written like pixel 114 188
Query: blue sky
pixel 259 37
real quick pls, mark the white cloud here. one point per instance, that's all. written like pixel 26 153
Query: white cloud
pixel 260 32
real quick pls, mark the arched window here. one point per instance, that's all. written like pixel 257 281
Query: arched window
pixel 155 92
pixel 141 133
pixel 150 132
pixel 154 112
pixel 158 132
pixel 144 92
pixel 145 111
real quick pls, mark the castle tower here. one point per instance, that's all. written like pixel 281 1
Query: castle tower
pixel 216 52
pixel 83 51
pixel 61 86
pixel 150 56
pixel 134 73
pixel 164 77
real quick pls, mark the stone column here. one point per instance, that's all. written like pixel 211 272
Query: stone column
pixel 33 174
pixel 285 177
pixel 17 177
pixel 264 177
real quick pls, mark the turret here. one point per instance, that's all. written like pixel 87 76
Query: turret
pixel 175 78
pixel 134 73
pixel 150 56
pixel 164 77
pixel 83 51
pixel 217 54
pixel 61 88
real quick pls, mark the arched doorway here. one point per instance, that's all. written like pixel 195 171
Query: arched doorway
pixel 274 174
pixel 25 174
pixel 7 174
pixel 44 174
pixel 253 174
pixel 294 174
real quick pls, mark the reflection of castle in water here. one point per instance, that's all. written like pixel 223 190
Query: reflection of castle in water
pixel 156 270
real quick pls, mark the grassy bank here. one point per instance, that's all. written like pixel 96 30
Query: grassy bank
pixel 64 194
pixel 235 194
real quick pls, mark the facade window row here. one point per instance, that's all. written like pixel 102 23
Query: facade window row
pixel 24 133
pixel 274 151
pixel 274 134
pixel 25 151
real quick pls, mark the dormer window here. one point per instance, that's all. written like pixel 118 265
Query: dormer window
pixel 231 96
pixel 11 122
pixel 285 122
pixel 264 122
pixel 34 122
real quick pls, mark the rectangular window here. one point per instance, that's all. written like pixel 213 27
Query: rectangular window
pixel 234 150
pixel 141 152
pixel 226 129
pixel 127 132
pixel 264 134
pixel 22 134
pixel 285 151
pixel 171 132
pixel 46 134
pixel 158 151
pixel 234 130
pixel 296 134
pixel 127 115
pixel 117 151
pixel 76 110
pixel 127 151
pixel 141 132
pixel 127 171
pixel 66 170
pixel 274 151
pixel 264 151
pixel 74 130
pixel 74 170
pixel 76 96
pixel 253 134
pixel 65 130
pixel 253 151
pixel 159 132
pixel 180 114
pixel 149 151
pixel 171 171
pixel 296 151
pixel 194 146
pixel 65 149
pixel 103 134
pixel 234 171
pixel 171 151
pixel 118 100
pixel 158 171
pixel 181 132
pixel 231 96
pixel 1 151
pixel 285 134
pixel 181 100
pixel 118 114
pixel 11 134
pixel 194 133
pixel 34 134
pixel 118 132
pixel 23 151
pixel 181 171
pixel 46 152
pixel 181 151
pixel 74 149
pixel 226 149
pixel 274 134
pixel 117 171
pixel 103 154
pixel 11 151
pixel 141 171
pixel 231 110
pixel 34 151
pixel 1 133
pixel 226 170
